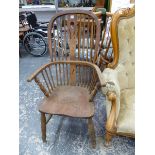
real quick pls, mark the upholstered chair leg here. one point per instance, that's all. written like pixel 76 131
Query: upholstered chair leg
pixel 43 126
pixel 91 132
pixel 108 138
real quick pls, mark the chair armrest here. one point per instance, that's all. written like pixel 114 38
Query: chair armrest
pixel 34 74
pixel 47 81
pixel 112 88
pixel 111 120
pixel 111 81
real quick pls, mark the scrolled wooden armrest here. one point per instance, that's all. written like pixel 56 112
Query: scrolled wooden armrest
pixel 98 86
pixel 111 120
pixel 111 95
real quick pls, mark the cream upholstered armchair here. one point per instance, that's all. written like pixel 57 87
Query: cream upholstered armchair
pixel 120 76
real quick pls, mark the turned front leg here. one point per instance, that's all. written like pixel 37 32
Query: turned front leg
pixel 43 126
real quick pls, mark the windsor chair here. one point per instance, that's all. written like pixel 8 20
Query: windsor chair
pixel 70 81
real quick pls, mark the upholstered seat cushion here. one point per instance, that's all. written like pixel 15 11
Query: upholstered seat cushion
pixel 68 100
pixel 126 118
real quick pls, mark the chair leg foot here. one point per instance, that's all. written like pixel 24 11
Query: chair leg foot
pixel 91 132
pixel 108 138
pixel 43 126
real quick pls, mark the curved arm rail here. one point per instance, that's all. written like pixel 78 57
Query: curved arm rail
pixel 74 73
pixel 68 62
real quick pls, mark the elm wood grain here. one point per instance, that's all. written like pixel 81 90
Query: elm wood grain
pixel 69 101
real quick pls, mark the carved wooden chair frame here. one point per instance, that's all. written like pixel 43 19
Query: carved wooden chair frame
pixel 110 124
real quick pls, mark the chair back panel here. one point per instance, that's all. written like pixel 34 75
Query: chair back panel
pixel 123 41
pixel 74 35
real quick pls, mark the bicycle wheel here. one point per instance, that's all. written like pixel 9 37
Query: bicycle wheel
pixel 35 44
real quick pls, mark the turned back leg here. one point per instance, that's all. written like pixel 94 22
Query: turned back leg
pixel 91 132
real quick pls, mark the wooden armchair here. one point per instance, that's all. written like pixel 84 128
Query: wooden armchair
pixel 120 75
pixel 68 92
pixel 70 81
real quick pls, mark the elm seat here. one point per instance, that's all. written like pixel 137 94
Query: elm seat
pixel 70 101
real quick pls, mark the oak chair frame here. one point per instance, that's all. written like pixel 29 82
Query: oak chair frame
pixel 111 120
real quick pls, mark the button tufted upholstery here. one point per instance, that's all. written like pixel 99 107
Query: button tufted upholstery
pixel 126 37
pixel 123 77
pixel 126 118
